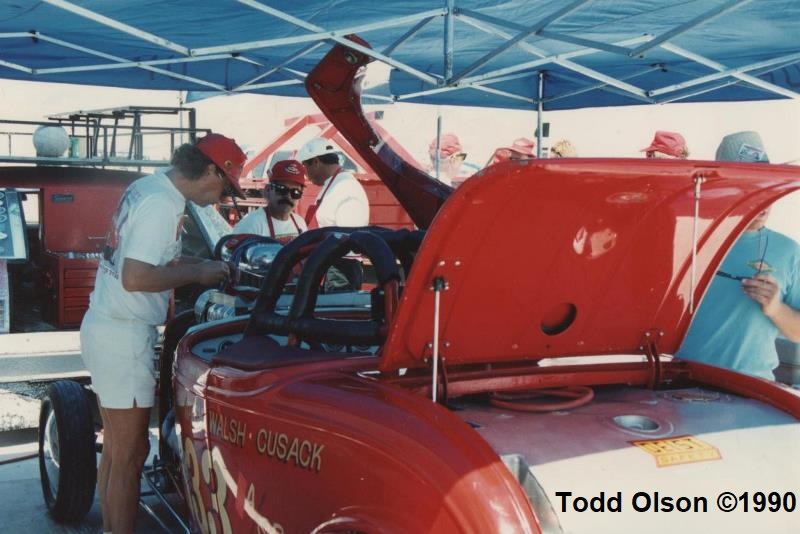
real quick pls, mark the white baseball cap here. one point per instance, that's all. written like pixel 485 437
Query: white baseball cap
pixel 315 148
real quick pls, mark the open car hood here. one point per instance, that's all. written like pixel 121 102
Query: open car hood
pixel 545 259
pixel 549 258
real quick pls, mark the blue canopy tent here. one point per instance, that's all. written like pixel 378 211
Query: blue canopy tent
pixel 531 54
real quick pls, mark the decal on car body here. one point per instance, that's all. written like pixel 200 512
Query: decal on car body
pixel 678 450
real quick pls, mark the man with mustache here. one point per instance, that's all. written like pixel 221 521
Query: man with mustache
pixel 277 219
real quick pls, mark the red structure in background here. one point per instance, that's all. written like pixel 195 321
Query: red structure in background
pixel 385 210
pixel 75 207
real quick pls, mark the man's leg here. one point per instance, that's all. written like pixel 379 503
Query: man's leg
pixel 129 452
pixel 105 469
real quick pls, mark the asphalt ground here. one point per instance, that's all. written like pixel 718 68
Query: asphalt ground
pixel 28 363
pixel 22 507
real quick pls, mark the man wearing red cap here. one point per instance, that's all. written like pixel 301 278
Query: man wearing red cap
pixel 667 145
pixel 140 268
pixel 277 220
pixel 522 148
pixel 451 167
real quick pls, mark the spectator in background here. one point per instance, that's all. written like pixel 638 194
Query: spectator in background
pixel 755 294
pixel 742 146
pixel 277 219
pixel 667 145
pixel 563 149
pixel 521 148
pixel 451 170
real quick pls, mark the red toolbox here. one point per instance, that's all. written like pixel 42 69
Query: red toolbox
pixel 68 281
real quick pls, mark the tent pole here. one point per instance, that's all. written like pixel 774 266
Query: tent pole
pixel 449 28
pixel 438 142
pixel 539 116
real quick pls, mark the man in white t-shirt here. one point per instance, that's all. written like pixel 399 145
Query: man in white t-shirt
pixel 342 200
pixel 141 266
pixel 277 219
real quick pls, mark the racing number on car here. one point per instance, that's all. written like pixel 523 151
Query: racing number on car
pixel 210 474
pixel 219 490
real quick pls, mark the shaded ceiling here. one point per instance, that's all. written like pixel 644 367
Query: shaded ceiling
pixel 459 52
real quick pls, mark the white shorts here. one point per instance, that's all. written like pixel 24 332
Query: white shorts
pixel 120 356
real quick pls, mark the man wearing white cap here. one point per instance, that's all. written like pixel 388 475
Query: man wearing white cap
pixel 342 200
pixel 755 294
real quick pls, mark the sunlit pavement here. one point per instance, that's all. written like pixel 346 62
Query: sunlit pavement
pixel 22 508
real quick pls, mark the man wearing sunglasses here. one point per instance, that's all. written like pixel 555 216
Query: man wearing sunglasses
pixel 277 219
pixel 451 168
pixel 755 295
pixel 141 266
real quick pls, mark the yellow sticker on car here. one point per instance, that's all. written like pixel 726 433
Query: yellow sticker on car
pixel 678 450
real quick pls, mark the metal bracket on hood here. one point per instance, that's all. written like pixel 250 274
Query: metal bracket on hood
pixel 439 285
pixel 698 183
pixel 650 347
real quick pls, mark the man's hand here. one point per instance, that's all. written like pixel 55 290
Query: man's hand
pixel 140 276
pixel 211 272
pixel 765 290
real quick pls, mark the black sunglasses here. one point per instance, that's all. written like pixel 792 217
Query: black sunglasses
pixel 723 274
pixel 281 189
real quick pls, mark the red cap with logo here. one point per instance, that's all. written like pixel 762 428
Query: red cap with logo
pixel 288 170
pixel 226 155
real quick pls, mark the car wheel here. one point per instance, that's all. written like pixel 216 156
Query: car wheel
pixel 67 460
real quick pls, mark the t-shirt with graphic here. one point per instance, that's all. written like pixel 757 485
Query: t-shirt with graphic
pixel 344 203
pixel 729 329
pixel 146 227
pixel 256 222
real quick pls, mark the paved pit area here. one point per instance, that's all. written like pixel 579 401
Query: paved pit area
pixel 22 507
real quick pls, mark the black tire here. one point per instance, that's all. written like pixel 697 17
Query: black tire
pixel 67 458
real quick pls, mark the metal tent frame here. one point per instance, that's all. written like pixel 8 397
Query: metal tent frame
pixel 447 48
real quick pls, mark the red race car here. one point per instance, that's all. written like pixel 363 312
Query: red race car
pixel 511 370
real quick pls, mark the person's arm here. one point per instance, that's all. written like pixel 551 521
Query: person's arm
pixel 765 290
pixel 188 260
pixel 140 276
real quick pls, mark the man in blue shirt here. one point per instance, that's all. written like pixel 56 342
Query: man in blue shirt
pixel 755 294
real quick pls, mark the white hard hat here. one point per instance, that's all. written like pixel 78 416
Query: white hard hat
pixel 315 148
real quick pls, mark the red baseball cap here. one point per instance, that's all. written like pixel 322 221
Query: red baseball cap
pixel 671 143
pixel 288 170
pixel 226 155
